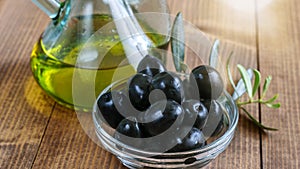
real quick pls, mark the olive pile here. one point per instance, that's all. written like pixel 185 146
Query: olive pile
pixel 156 99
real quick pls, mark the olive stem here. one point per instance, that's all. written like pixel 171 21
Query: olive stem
pixel 248 102
pixel 252 101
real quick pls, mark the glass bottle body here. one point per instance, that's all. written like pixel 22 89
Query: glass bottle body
pixel 87 24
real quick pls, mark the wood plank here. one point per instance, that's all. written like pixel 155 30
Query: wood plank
pixel 24 107
pixel 279 52
pixel 236 31
pixel 65 145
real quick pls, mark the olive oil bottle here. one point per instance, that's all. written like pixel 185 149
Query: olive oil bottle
pixel 79 59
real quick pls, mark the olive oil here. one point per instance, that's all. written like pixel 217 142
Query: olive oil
pixel 85 58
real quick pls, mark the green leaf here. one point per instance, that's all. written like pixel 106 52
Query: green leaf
pixel 274 106
pixel 266 86
pixel 246 80
pixel 229 71
pixel 257 123
pixel 214 52
pixel 270 100
pixel 177 42
pixel 184 68
pixel 256 81
pixel 240 87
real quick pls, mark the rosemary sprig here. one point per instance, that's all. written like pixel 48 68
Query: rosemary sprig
pixel 245 86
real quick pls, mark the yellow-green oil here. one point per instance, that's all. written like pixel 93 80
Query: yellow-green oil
pixel 57 72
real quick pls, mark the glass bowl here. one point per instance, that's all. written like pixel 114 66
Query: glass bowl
pixel 198 48
pixel 133 157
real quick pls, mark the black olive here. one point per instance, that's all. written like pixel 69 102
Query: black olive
pixel 170 84
pixel 195 111
pixel 127 130
pixel 108 110
pixel 214 123
pixel 151 66
pixel 123 104
pixel 139 88
pixel 209 82
pixel 161 116
pixel 194 139
pixel 129 127
pixel 189 87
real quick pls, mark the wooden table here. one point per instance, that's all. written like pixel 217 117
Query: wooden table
pixel 35 132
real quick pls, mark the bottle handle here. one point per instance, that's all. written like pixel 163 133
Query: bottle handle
pixel 50 7
pixel 134 39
